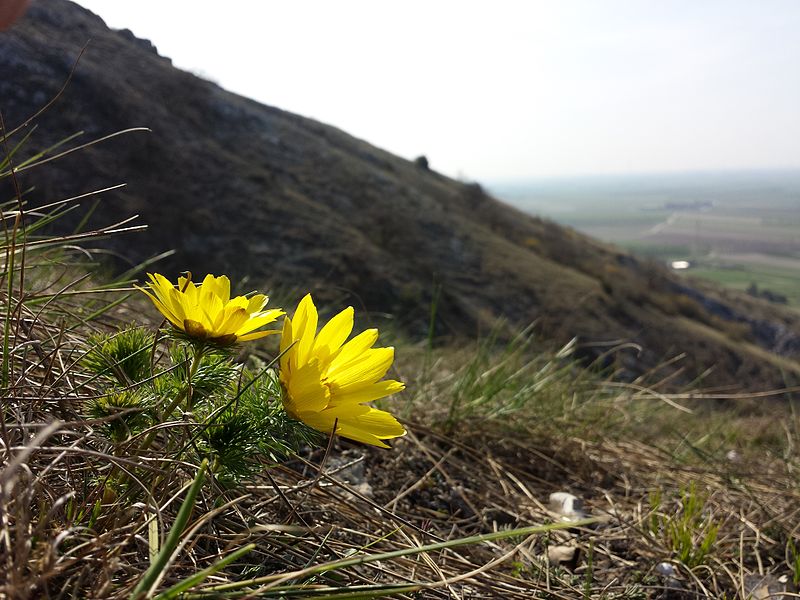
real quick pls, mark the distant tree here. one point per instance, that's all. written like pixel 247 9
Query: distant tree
pixel 773 297
pixel 767 295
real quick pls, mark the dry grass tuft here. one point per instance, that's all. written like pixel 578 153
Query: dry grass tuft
pixel 65 534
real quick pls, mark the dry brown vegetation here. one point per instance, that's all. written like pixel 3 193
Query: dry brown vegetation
pixel 348 521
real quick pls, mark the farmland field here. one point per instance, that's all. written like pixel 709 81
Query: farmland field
pixel 740 229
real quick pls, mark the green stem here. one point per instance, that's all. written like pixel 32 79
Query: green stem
pixel 9 273
pixel 199 351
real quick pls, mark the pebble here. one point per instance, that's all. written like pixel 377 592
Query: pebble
pixel 568 506
pixel 562 555
pixel 666 569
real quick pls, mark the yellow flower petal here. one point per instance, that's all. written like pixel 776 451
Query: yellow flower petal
pixel 287 341
pixel 256 335
pixel 369 367
pixel 334 333
pixel 241 302
pixel 353 349
pixel 307 390
pixel 360 423
pixel 365 393
pixel 163 309
pixel 178 308
pixel 188 289
pixel 234 321
pixel 222 289
pixel 378 422
pixel 304 326
pixel 259 320
pixel 256 303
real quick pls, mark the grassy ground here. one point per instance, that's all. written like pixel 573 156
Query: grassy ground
pixel 683 496
pixel 658 495
pixel 741 277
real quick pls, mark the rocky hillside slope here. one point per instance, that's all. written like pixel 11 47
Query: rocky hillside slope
pixel 246 189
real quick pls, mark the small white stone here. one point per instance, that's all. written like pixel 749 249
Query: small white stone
pixel 733 456
pixel 557 555
pixel 666 569
pixel 567 505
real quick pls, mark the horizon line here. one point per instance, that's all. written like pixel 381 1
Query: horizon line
pixel 655 173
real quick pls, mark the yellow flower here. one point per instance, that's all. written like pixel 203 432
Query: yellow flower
pixel 327 381
pixel 207 311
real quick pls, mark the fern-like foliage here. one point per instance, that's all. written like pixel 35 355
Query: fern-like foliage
pixel 123 357
pixel 123 413
pixel 251 429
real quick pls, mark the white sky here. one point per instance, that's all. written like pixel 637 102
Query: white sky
pixel 509 89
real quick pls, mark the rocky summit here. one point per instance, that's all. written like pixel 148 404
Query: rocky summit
pixel 237 187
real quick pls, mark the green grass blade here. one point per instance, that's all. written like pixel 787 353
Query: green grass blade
pixel 370 558
pixel 188 583
pixel 156 570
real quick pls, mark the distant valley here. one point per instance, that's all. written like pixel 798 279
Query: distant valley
pixel 740 229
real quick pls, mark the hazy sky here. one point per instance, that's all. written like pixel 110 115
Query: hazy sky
pixel 509 89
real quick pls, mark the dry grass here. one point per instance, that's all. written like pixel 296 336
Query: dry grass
pixel 336 522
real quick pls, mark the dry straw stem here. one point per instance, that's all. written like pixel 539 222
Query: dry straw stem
pixel 274 581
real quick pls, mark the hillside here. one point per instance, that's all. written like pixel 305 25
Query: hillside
pixel 250 190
